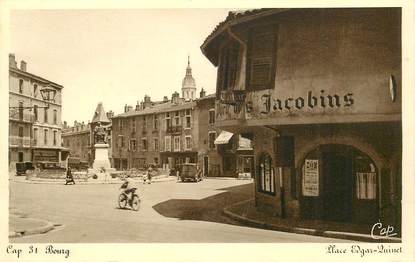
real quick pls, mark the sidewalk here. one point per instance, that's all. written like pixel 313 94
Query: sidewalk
pixel 21 225
pixel 246 213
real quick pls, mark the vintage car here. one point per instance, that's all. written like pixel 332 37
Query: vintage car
pixel 21 168
pixel 189 171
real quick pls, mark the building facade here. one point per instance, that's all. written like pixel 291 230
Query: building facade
pixel 34 124
pixel 319 90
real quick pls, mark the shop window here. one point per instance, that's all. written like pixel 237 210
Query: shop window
pixel 261 58
pixel 366 185
pixel 228 63
pixel 365 172
pixel 266 178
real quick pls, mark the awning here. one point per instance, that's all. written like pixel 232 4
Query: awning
pixel 223 138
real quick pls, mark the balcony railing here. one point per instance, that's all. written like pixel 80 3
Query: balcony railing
pixel 25 117
pixel 19 141
pixel 174 129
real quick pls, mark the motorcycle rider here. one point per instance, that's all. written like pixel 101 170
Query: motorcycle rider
pixel 127 187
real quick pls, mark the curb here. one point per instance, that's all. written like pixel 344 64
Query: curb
pixel 227 178
pixel 34 231
pixel 299 230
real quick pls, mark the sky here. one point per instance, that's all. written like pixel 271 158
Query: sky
pixel 114 56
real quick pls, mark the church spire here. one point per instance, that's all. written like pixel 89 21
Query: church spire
pixel 188 83
pixel 188 68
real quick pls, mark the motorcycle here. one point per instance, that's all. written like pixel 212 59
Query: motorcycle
pixel 133 200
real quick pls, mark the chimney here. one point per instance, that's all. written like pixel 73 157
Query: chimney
pixel 110 114
pixel 65 124
pixel 23 65
pixel 137 106
pixel 147 101
pixel 202 93
pixel 129 108
pixel 125 108
pixel 175 98
pixel 165 99
pixel 12 61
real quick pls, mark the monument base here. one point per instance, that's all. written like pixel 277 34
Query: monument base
pixel 101 160
pixel 101 166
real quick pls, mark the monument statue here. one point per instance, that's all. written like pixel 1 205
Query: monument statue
pixel 99 134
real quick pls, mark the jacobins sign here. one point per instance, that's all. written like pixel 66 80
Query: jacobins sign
pixel 311 101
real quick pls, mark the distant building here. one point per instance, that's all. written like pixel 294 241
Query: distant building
pixel 34 130
pixel 164 133
pixel 221 153
pixel 80 140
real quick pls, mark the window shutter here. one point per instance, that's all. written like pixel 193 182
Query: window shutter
pixel 261 58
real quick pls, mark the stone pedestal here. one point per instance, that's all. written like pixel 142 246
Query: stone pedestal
pixel 101 160
pixel 101 166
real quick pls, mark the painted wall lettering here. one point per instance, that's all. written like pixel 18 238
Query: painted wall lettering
pixel 311 101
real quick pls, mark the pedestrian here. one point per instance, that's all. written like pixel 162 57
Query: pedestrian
pixel 69 177
pixel 149 174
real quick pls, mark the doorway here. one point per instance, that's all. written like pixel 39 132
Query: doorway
pixel 337 182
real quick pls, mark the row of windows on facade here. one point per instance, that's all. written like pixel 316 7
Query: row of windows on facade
pixel 167 143
pixel 45 137
pixel 171 119
pixel 21 87
pixel 36 114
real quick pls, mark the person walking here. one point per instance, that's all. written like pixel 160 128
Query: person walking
pixel 69 177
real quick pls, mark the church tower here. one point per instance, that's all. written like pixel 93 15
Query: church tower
pixel 188 84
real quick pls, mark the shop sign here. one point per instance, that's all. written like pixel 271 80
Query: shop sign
pixel 310 178
pixel 45 156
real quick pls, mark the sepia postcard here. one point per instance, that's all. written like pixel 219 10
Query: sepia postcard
pixel 190 132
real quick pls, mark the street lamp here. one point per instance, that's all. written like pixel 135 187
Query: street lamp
pixel 48 95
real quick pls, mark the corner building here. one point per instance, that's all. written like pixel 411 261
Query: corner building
pixel 319 91
pixel 34 128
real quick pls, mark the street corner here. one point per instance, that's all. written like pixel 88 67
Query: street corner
pixel 22 225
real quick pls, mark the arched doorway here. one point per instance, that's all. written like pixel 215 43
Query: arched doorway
pixel 339 183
